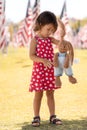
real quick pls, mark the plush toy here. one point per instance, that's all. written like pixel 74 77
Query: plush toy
pixel 63 59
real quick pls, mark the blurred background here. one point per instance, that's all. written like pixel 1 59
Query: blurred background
pixel 17 18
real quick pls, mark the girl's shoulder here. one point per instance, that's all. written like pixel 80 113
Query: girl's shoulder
pixel 33 41
pixel 35 38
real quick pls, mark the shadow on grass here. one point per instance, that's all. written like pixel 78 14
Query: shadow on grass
pixel 25 66
pixel 67 125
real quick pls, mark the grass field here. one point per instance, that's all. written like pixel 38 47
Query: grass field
pixel 16 110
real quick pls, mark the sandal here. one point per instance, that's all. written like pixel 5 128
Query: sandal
pixel 55 120
pixel 36 121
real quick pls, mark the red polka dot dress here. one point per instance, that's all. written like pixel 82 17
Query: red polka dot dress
pixel 42 77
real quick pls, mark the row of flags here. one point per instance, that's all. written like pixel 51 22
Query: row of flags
pixel 2 24
pixel 25 31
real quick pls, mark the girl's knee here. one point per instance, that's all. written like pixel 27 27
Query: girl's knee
pixel 38 95
pixel 50 94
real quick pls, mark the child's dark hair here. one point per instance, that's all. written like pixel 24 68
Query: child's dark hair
pixel 44 18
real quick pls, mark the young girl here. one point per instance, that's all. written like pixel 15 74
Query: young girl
pixel 41 52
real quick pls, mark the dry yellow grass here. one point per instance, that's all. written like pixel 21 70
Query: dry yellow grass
pixel 16 110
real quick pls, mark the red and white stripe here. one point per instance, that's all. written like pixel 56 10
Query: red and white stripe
pixel 24 34
pixel 36 9
pixel 2 25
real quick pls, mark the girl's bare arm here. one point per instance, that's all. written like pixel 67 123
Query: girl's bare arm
pixel 32 51
pixel 54 41
pixel 34 57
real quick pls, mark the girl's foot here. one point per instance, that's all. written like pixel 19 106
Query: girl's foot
pixel 36 121
pixel 55 120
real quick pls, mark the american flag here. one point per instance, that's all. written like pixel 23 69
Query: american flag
pixel 2 24
pixel 36 9
pixel 25 32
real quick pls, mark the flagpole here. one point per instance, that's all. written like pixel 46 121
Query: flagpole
pixel 28 5
pixel 63 10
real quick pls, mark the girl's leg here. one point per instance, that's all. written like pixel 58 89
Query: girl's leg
pixel 36 107
pixel 51 101
pixel 37 103
pixel 51 106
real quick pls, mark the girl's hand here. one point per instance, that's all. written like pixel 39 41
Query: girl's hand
pixel 47 63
